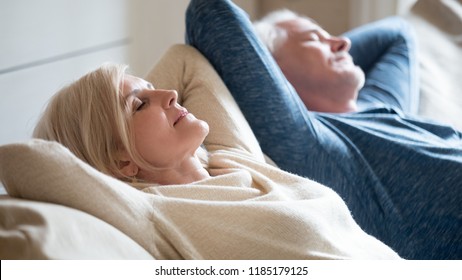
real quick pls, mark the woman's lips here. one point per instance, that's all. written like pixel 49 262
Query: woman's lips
pixel 180 116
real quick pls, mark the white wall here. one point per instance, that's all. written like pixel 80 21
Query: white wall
pixel 156 25
pixel 363 11
pixel 44 45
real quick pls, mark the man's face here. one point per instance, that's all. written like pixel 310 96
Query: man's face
pixel 314 61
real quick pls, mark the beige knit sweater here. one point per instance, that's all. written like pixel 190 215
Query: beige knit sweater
pixel 248 209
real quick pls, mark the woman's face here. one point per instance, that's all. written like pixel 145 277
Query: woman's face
pixel 165 132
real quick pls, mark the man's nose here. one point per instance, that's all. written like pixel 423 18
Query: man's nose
pixel 339 44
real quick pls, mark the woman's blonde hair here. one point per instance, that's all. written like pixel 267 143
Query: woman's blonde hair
pixel 90 118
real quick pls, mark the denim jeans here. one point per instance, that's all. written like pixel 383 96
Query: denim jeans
pixel 400 176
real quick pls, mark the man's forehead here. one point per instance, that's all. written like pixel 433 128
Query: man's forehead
pixel 299 24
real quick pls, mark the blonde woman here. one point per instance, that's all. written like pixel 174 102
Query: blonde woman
pixel 224 204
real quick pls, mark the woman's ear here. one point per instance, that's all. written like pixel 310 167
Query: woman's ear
pixel 127 166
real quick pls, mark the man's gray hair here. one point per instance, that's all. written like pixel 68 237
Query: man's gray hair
pixel 269 32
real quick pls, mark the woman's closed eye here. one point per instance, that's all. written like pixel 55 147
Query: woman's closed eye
pixel 138 105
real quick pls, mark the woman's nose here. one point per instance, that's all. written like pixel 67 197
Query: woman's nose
pixel 169 98
pixel 339 44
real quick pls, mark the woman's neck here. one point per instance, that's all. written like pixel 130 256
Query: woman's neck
pixel 187 171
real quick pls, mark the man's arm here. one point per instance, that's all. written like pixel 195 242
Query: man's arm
pixel 386 51
pixel 223 33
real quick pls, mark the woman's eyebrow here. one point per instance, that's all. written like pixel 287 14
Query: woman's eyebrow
pixel 135 91
pixel 132 93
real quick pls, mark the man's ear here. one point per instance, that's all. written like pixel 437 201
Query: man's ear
pixel 127 166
